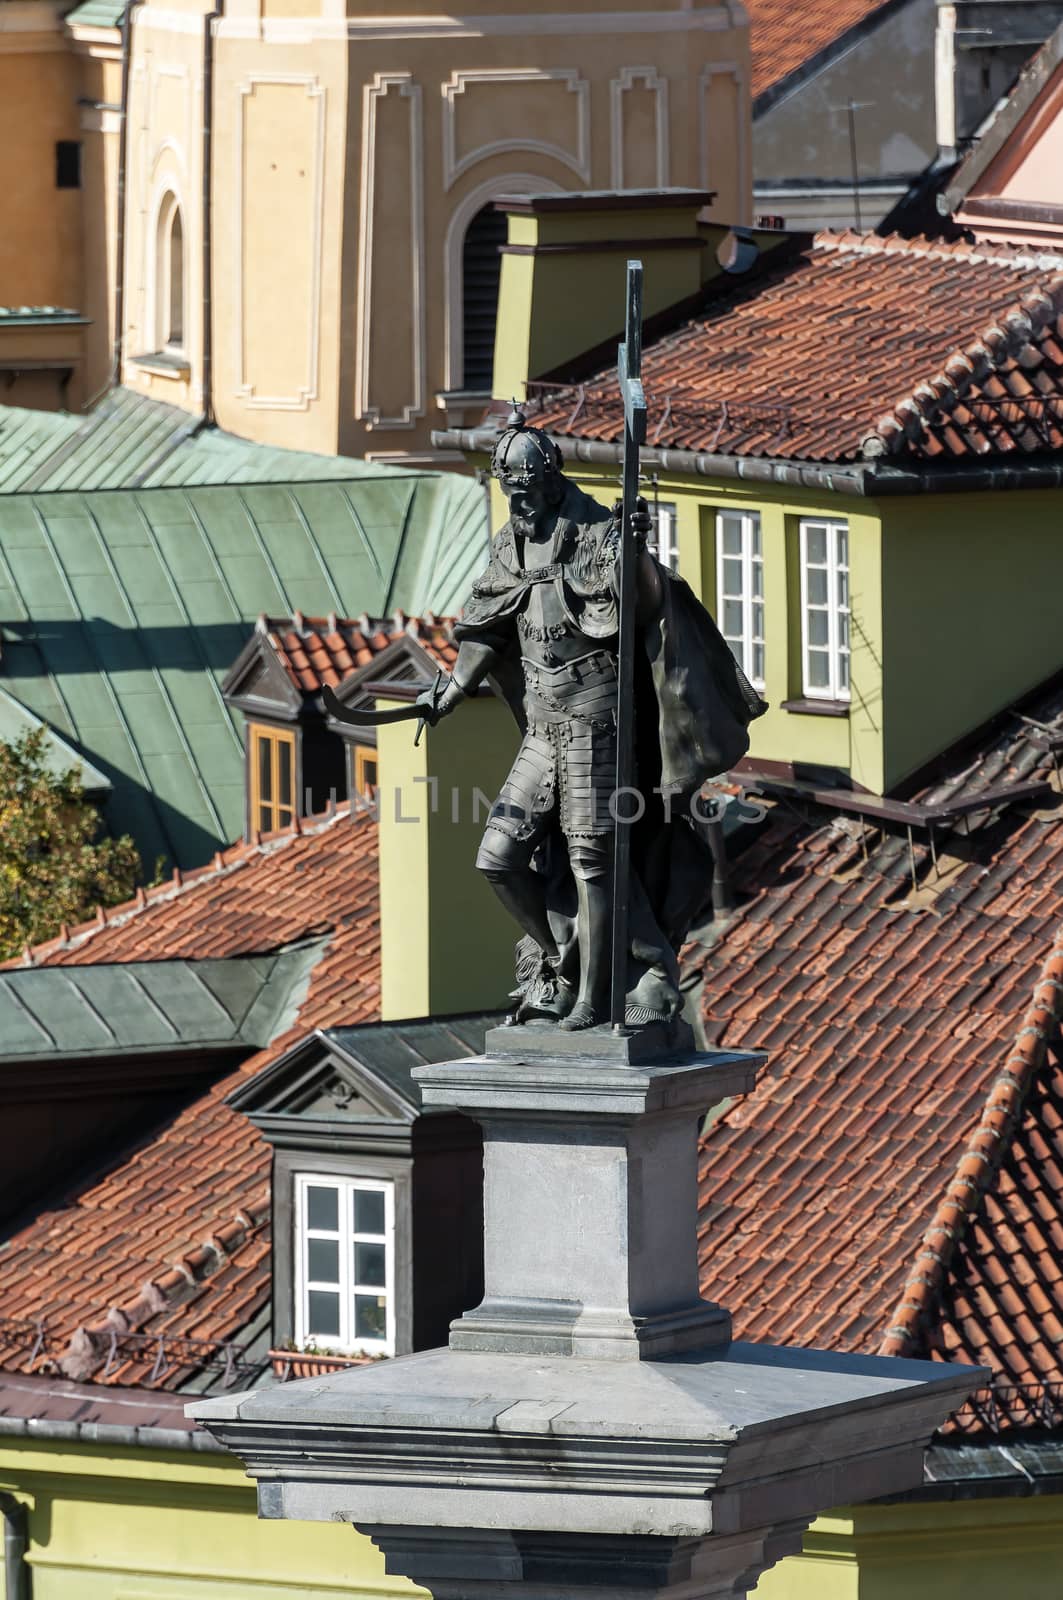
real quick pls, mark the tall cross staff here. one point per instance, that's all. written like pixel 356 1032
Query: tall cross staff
pixel 629 369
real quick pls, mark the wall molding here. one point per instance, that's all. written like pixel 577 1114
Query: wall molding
pixel 372 94
pixel 289 30
pixel 308 391
pixel 736 71
pixel 453 283
pixel 460 81
pixel 618 88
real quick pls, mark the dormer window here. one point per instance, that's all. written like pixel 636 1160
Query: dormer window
pixel 345 1264
pixel 272 774
pixel 364 762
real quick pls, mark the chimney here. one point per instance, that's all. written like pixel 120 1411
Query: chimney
pixel 563 272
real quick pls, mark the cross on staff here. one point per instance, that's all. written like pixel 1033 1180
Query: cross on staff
pixel 629 370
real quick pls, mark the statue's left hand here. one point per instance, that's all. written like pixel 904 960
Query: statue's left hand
pixel 641 520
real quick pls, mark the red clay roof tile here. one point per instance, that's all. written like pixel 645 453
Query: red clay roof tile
pixel 905 1167
pixel 174 1238
pixel 317 650
pixel 783 37
pixel 852 348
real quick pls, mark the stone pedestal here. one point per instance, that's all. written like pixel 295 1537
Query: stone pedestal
pixel 590 1182
pixel 591 1428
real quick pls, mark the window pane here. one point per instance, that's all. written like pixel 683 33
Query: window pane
pixel 843 631
pixel 843 588
pixel 732 536
pixel 370 1317
pixel 817 586
pixel 755 530
pixel 322 1208
pixel 323 1260
pixel 758 579
pixel 758 663
pixel 758 619
pixel 842 534
pixel 732 577
pixel 286 776
pixel 843 674
pixel 818 672
pixel 370 1265
pixel 323 1313
pixel 265 768
pixel 816 544
pixel 732 619
pixel 369 1211
pixel 817 628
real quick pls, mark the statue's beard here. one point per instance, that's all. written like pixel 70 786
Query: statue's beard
pixel 523 526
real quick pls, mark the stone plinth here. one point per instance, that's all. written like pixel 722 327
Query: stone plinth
pixel 591 1430
pixel 590 1182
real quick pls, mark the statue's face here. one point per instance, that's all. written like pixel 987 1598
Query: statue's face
pixel 528 503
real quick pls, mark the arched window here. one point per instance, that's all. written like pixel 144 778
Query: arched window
pixel 170 276
pixel 481 270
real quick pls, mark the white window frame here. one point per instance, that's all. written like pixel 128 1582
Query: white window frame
pixel 837 652
pixel 750 532
pixel 665 541
pixel 345 1341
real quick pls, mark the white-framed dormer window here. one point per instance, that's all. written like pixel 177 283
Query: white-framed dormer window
pixel 740 589
pixel 825 608
pixel 170 276
pixel 664 540
pixel 345 1264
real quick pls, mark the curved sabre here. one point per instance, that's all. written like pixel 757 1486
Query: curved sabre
pixel 368 719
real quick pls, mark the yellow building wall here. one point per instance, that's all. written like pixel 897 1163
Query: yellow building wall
pixel 971 595
pixel 125 1524
pixel 854 742
pixel 40 235
pixel 942 1550
pixel 446 944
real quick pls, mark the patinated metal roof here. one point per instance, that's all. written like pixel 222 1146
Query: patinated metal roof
pixel 144 1007
pixel 59 757
pixel 132 575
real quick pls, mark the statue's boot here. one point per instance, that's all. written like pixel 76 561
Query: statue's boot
pixel 594 930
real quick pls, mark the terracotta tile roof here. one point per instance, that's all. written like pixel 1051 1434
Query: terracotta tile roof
pixel 849 347
pixel 173 1238
pixel 317 650
pixel 784 37
pixel 895 1183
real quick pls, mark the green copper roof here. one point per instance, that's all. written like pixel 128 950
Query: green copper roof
pixel 144 1007
pixel 59 756
pixel 21 316
pixel 96 14
pixel 122 606
pixel 132 442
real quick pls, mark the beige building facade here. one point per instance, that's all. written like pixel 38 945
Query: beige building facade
pixel 309 249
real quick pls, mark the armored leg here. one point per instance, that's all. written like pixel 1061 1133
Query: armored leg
pixel 506 864
pixel 591 861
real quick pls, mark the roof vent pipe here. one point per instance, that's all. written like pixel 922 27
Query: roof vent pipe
pixel 737 251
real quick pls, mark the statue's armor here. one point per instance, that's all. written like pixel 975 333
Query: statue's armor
pixel 567 759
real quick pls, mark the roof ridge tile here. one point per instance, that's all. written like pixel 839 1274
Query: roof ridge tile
pixel 997 343
pixel 979 1159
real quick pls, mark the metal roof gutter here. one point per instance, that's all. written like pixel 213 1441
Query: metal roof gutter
pixel 109 1433
pixel 751 469
pixel 867 479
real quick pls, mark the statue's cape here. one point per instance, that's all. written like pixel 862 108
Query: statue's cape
pixel 693 702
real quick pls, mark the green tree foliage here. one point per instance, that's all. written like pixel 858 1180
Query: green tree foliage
pixel 55 864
